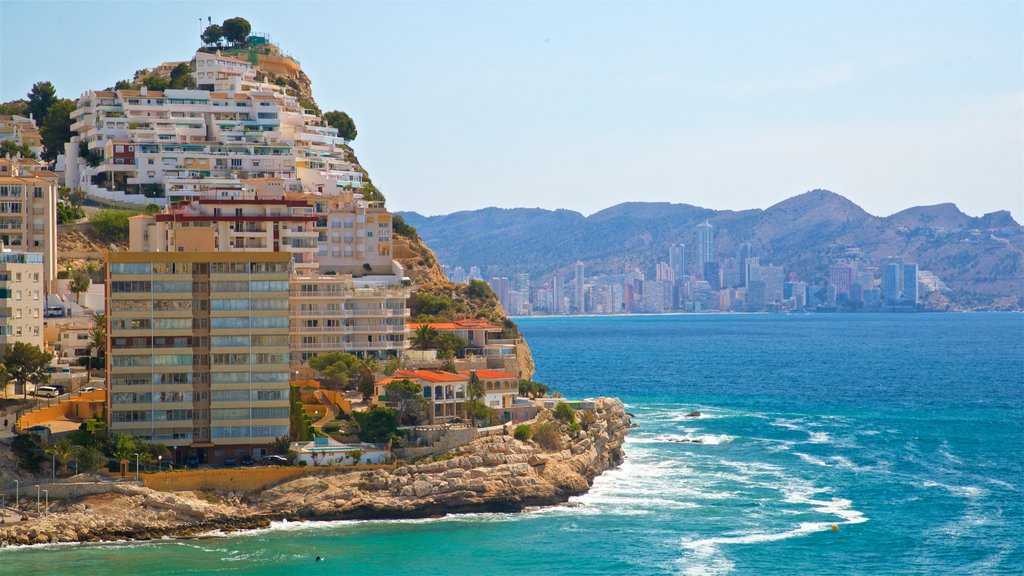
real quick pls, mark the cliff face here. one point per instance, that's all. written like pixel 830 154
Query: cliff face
pixel 490 474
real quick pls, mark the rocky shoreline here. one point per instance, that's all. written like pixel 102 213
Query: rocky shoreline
pixel 489 474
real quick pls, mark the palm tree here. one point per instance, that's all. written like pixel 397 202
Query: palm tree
pixel 98 339
pixel 424 336
pixel 62 450
pixel 125 446
pixel 474 390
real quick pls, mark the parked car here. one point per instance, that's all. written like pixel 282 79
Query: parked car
pixel 274 460
pixel 192 461
pixel 60 389
pixel 46 392
pixel 247 460
pixel 89 389
pixel 230 462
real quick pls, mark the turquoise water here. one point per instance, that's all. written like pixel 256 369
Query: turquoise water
pixel 905 431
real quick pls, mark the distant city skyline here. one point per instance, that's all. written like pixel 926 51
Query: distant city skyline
pixel 727 106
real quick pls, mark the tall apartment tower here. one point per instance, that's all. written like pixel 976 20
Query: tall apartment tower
pixel 579 281
pixel 197 350
pixel 22 298
pixel 556 294
pixel 677 260
pixel 705 245
pixel 892 282
pixel 910 293
pixel 744 252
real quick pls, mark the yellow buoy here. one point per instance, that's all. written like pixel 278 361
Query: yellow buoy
pixel 835 528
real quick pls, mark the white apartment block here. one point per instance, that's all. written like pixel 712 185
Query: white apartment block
pixel 22 130
pixel 152 144
pixel 21 298
pixel 28 213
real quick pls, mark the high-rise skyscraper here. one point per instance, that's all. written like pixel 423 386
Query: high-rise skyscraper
pixel 578 301
pixel 842 277
pixel 910 294
pixel 556 294
pixel 745 251
pixel 892 283
pixel 705 245
pixel 677 260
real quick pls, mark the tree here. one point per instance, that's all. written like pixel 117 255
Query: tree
pixel 523 432
pixel 399 225
pixel 478 412
pixel 408 396
pixel 98 340
pixel 181 77
pixel 111 225
pixel 344 123
pixel 89 459
pixel 449 345
pixel 123 85
pixel 479 289
pixel 40 98
pixel 377 425
pixel 80 282
pixel 77 197
pixel 236 30
pixel 474 390
pixel 55 131
pixel 14 108
pixel 212 35
pixel 27 363
pixel 424 337
pixel 156 83
pixel 5 379
pixel 62 450
pixel 365 383
pixel 280 445
pixel 336 369
pixel 125 448
pixel 532 389
pixel 10 148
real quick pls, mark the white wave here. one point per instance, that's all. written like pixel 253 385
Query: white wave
pixel 969 492
pixel 818 437
pixel 788 424
pixel 944 451
pixel 689 438
pixel 811 459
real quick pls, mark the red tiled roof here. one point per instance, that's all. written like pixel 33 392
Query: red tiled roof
pixel 489 374
pixel 458 325
pixel 431 375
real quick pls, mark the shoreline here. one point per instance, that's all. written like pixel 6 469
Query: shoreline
pixel 491 474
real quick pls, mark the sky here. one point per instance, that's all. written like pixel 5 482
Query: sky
pixel 584 105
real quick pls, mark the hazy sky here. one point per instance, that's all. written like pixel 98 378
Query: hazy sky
pixel 579 105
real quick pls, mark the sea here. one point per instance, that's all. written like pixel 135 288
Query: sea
pixel 826 444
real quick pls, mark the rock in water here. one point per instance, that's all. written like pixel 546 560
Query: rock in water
pixel 693 414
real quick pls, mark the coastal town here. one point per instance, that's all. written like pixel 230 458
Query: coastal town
pixel 204 291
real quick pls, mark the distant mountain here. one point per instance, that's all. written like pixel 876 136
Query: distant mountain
pixel 981 260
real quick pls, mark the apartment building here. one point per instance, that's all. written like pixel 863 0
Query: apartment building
pixel 198 350
pixel 28 212
pixel 22 130
pixel 338 313
pixel 232 127
pixel 235 224
pixel 21 298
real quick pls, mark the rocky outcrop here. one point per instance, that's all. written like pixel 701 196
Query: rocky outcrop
pixel 490 474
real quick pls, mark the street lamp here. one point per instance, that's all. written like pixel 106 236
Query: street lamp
pixel 17 493
pixel 46 510
pixel 136 466
pixel 53 466
pixel 159 462
pixel 39 499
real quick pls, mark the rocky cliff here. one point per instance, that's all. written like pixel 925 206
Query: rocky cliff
pixel 490 474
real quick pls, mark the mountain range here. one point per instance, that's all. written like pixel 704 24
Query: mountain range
pixel 979 259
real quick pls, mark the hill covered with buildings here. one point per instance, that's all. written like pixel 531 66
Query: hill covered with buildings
pixel 818 239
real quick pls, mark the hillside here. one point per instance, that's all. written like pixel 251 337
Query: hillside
pixel 980 259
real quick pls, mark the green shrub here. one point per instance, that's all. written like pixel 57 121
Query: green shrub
pixel 565 413
pixel 523 432
pixel 332 427
pixel 111 225
pixel 548 436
